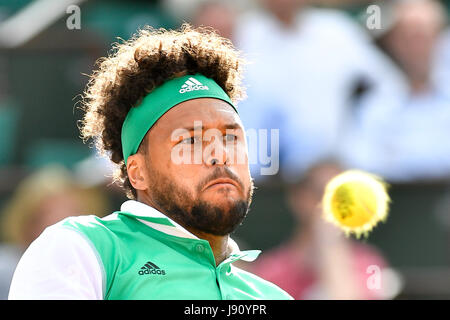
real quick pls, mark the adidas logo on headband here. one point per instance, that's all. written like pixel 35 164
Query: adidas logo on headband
pixel 191 85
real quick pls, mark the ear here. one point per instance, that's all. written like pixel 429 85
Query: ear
pixel 137 171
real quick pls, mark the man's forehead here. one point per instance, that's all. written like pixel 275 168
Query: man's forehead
pixel 206 112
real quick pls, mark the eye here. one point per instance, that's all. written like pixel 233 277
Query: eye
pixel 231 137
pixel 190 140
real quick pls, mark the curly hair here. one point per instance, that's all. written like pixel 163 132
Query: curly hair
pixel 136 67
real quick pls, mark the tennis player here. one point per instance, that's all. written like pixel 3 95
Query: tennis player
pixel 162 107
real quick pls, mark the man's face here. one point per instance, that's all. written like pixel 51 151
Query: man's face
pixel 188 149
pixel 414 36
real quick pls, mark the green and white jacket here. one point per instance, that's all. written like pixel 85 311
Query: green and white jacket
pixel 136 253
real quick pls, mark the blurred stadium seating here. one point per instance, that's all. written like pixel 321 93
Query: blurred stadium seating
pixel 40 83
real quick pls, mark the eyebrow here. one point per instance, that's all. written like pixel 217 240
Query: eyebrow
pixel 233 125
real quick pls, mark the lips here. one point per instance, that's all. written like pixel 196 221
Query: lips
pixel 221 181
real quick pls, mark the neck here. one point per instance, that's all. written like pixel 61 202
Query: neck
pixel 419 77
pixel 301 237
pixel 145 198
pixel 419 85
pixel 287 20
pixel 287 17
pixel 219 244
pixel 302 245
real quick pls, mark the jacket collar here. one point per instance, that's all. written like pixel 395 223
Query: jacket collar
pixel 155 219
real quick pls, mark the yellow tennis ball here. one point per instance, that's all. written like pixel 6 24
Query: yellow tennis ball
pixel 356 201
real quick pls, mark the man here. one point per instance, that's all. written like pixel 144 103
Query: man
pixel 162 108
pixel 401 136
pixel 327 65
pixel 301 264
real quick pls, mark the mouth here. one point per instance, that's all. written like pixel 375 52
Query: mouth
pixel 223 182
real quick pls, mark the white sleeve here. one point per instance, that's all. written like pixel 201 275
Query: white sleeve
pixel 60 264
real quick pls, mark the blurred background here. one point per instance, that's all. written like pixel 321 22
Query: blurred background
pixel 348 84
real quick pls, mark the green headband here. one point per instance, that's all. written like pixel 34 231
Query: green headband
pixel 142 117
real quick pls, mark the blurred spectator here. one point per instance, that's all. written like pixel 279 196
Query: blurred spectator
pixel 9 115
pixel 204 12
pixel 46 197
pixel 319 262
pixel 340 3
pixel 403 136
pixel 308 67
pixel 9 257
pixel 42 199
pixel 218 15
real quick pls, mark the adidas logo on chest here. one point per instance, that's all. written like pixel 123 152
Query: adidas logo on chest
pixel 192 85
pixel 151 268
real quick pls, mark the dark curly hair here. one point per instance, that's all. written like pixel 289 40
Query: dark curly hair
pixel 136 67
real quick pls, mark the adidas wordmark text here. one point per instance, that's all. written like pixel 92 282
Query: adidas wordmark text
pixel 151 268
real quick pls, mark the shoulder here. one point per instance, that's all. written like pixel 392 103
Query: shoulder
pixel 366 255
pixel 329 17
pixel 62 235
pixel 270 260
pixel 333 23
pixel 253 19
pixel 88 221
pixel 59 264
pixel 266 289
pixel 93 227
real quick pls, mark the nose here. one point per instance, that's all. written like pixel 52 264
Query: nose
pixel 216 153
